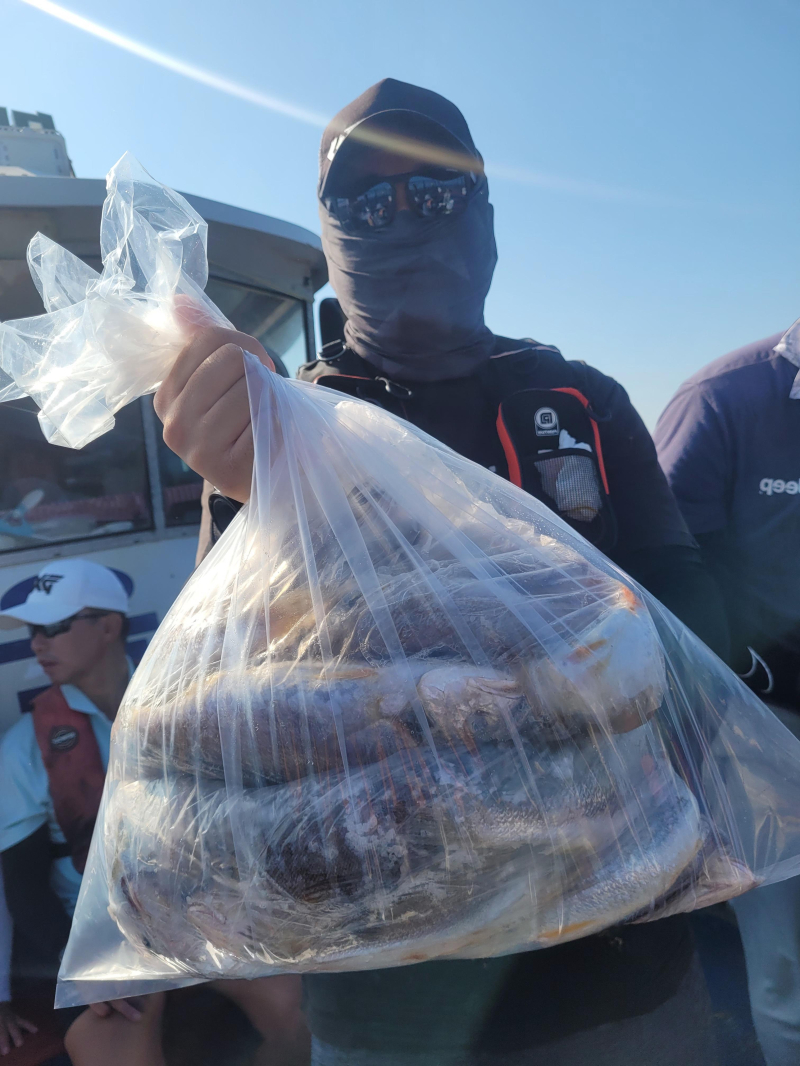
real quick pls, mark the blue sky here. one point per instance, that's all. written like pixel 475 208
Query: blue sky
pixel 643 156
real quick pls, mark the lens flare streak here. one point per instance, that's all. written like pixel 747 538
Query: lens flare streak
pixel 179 66
pixel 400 145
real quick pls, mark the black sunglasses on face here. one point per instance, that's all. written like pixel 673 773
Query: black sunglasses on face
pixel 55 629
pixel 429 197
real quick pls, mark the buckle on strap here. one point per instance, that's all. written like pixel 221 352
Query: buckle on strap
pixel 330 351
pixel 400 392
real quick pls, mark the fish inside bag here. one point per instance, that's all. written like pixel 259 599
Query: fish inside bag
pixel 401 711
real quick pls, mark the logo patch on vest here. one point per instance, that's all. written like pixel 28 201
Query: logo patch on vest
pixel 45 582
pixel 63 738
pixel 546 422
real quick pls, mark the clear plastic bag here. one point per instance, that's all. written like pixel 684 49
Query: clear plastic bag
pixel 112 337
pixel 400 712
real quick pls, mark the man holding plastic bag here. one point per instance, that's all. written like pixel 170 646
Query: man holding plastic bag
pixel 411 265
pixel 402 712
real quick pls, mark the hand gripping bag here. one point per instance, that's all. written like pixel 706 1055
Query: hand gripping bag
pixel 401 711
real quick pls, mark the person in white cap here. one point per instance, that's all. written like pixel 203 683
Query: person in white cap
pixel 52 768
pixel 53 761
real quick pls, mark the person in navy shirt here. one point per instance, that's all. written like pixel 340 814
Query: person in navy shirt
pixel 729 443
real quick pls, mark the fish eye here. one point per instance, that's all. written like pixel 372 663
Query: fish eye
pixel 477 724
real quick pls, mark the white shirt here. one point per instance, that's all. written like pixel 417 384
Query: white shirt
pixel 25 801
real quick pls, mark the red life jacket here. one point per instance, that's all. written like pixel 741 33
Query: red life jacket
pixel 74 768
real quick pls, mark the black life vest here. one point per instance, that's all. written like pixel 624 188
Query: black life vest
pixel 546 425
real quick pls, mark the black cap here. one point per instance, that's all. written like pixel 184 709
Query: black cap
pixel 403 118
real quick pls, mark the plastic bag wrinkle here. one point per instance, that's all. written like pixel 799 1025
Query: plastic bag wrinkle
pixel 111 337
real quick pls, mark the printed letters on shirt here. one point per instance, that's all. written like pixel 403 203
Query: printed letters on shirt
pixel 775 485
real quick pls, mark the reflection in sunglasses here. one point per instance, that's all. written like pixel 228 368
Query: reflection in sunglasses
pixel 429 197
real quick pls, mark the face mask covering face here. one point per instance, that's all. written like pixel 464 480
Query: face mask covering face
pixel 413 293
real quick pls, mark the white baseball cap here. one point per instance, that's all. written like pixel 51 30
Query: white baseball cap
pixel 64 587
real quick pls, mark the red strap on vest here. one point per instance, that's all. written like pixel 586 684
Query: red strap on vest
pixel 514 473
pixel 74 768
pixel 597 448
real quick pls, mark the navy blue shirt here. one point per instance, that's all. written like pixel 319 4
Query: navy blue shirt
pixel 729 443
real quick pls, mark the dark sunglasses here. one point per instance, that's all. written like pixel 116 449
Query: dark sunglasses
pixel 55 629
pixel 429 197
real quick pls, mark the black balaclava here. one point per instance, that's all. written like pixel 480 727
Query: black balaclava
pixel 412 293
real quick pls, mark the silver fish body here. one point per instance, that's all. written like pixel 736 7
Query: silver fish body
pixel 277 722
pixel 715 875
pixel 609 887
pixel 422 856
pixel 647 862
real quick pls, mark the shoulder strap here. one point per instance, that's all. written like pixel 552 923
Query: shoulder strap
pixel 336 359
pixel 531 366
pixel 339 368
pixel 74 768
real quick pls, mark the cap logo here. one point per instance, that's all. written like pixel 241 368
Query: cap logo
pixel 45 582
pixel 338 141
pixel 63 738
pixel 336 144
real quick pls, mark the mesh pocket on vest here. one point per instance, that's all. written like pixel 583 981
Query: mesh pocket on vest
pixel 571 482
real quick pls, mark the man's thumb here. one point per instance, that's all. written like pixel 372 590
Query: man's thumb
pixel 194 316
